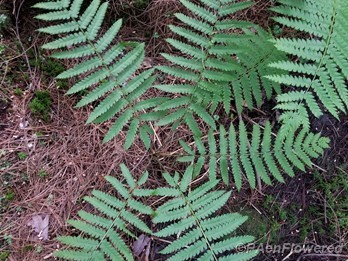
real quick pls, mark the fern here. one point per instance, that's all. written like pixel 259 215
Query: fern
pixel 107 69
pixel 220 61
pixel 190 214
pixel 320 70
pixel 103 234
pixel 250 85
pixel 215 65
pixel 261 157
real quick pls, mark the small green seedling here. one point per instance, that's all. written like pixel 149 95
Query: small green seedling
pixel 22 155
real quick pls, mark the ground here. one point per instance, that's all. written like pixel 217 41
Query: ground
pixel 49 158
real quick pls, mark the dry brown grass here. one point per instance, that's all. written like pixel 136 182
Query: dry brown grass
pixel 72 156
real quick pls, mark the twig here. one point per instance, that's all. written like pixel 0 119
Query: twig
pixel 16 13
pixel 322 255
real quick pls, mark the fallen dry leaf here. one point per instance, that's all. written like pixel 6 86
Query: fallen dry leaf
pixel 139 245
pixel 40 225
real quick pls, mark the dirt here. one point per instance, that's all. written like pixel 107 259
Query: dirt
pixel 337 131
pixel 3 108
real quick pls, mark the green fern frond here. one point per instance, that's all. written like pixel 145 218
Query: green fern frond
pixel 107 71
pixel 216 62
pixel 320 74
pixel 190 214
pixel 104 233
pixel 258 53
pixel 263 157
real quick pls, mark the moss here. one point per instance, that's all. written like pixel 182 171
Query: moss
pixel 42 174
pixel 334 197
pixel 51 67
pixel 141 4
pixel 281 216
pixel 39 134
pixel 3 23
pixel 10 195
pixel 18 92
pixel 4 255
pixel 63 84
pixel 28 248
pixel 334 189
pixel 256 225
pixel 22 155
pixel 40 105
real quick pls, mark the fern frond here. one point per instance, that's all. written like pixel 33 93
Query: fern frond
pixel 104 232
pixel 190 214
pixel 108 70
pixel 220 66
pixel 321 71
pixel 258 53
pixel 257 154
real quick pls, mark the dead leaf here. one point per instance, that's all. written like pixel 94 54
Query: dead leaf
pixel 140 244
pixel 40 225
pixel 23 124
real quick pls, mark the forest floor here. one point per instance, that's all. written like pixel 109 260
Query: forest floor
pixel 50 159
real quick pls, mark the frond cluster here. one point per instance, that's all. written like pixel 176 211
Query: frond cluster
pixel 219 61
pixel 106 71
pixel 320 70
pixel 191 215
pixel 263 155
pixel 104 233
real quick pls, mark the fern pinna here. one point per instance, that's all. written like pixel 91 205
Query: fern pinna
pixel 320 71
pixel 262 156
pixel 104 233
pixel 220 61
pixel 105 67
pixel 254 54
pixel 203 235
